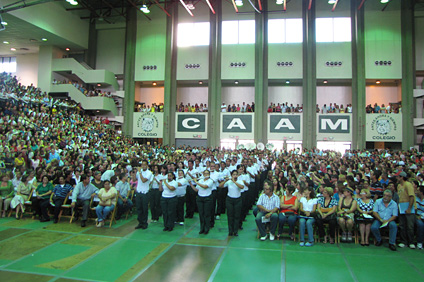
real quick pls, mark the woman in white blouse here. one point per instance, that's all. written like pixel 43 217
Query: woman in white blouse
pixel 168 201
pixel 233 202
pixel 204 200
pixel 181 192
pixel 308 206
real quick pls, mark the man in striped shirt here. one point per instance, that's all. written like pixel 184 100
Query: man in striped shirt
pixel 268 205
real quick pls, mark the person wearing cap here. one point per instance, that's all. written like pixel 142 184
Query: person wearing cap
pixel 406 211
pixel 347 206
pixel 385 212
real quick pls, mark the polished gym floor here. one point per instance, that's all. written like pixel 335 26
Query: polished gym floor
pixel 34 251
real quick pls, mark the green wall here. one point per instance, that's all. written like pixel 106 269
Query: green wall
pixel 193 55
pixel 150 46
pixel 238 53
pixel 289 52
pixel 383 40
pixel 334 52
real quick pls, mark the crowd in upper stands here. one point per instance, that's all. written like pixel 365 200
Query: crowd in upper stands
pixel 89 93
pixel 154 108
pixel 391 108
pixel 51 151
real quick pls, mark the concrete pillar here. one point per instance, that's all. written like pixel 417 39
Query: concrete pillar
pixel 358 77
pixel 261 74
pixel 214 87
pixel 129 84
pixel 45 60
pixel 309 76
pixel 408 74
pixel 170 84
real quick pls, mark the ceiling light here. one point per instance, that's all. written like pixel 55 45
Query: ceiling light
pixel 67 49
pixel 98 111
pixel 72 2
pixel 145 9
pixel 6 42
pixel 99 84
pixel 239 3
pixel 4 23
pixel 378 82
pixel 325 81
pixel 331 2
pixel 200 82
pixel 43 39
pixel 12 49
pixel 236 82
pixel 185 7
pixel 279 2
pixel 287 81
pixel 384 1
pixel 154 83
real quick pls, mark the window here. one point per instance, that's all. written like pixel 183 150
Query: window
pixel 333 30
pixel 193 34
pixel 8 64
pixel 285 31
pixel 238 32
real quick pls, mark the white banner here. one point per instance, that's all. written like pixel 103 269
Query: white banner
pixel 334 127
pixel 191 125
pixel 285 126
pixel 237 125
pixel 148 125
pixel 384 128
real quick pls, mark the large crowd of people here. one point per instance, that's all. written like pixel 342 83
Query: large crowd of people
pixel 84 90
pixel 50 154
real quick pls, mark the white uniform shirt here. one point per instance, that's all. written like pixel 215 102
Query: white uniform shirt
pixel 168 193
pixel 144 187
pixel 252 170
pixel 205 192
pixel 214 176
pixel 193 172
pixel 244 177
pixel 233 190
pixel 181 190
pixel 156 180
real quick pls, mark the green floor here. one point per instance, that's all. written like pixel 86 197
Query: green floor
pixel 34 251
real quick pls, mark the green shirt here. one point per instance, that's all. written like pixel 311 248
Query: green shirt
pixel 42 190
pixel 7 191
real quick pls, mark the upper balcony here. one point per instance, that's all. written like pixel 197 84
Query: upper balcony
pixel 103 104
pixel 70 65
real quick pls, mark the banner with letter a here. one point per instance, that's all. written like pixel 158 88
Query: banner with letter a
pixel 237 125
pixel 148 125
pixel 285 126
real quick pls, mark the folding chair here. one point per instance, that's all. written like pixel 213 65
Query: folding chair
pixel 131 198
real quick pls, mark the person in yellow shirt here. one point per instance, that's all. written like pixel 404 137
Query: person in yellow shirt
pixel 406 210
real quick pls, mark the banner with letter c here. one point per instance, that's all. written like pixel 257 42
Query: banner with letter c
pixel 191 125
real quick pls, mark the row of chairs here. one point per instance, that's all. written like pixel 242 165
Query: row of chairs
pixel 72 212
pixel 337 235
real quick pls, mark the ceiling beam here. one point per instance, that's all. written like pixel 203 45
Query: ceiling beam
pixel 162 8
